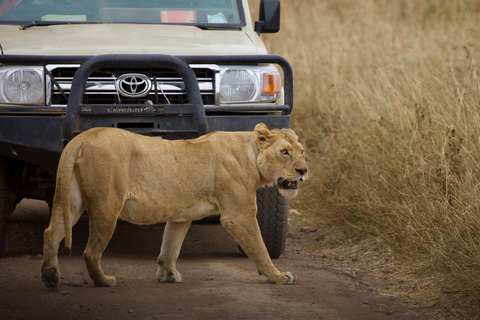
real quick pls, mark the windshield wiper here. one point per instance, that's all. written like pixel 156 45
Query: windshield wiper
pixel 30 24
pixel 217 26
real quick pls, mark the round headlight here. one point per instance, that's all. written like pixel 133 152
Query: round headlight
pixel 24 86
pixel 237 86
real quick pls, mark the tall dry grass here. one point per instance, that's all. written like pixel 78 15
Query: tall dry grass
pixel 387 102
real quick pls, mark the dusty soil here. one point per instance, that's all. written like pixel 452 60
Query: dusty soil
pixel 218 282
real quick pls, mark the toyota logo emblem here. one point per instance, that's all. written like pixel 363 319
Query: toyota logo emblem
pixel 133 85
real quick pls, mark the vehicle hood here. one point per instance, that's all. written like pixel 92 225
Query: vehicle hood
pixel 97 39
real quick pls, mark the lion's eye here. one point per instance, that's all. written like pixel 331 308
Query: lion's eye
pixel 284 151
pixel 303 151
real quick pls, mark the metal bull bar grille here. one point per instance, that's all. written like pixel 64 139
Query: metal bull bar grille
pixel 76 112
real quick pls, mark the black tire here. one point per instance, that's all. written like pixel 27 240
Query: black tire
pixel 3 202
pixel 272 218
pixel 10 192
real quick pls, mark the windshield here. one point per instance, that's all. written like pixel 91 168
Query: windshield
pixel 202 13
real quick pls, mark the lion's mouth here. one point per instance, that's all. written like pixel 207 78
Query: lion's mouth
pixel 287 185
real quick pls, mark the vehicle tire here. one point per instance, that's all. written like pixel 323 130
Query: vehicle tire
pixel 3 202
pixel 272 218
pixel 10 192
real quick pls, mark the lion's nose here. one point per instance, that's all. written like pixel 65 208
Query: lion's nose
pixel 301 171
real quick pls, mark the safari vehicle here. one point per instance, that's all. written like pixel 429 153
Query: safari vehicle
pixel 174 69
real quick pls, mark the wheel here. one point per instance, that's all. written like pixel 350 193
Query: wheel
pixel 10 192
pixel 3 202
pixel 272 218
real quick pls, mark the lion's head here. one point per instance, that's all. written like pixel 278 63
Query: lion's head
pixel 281 159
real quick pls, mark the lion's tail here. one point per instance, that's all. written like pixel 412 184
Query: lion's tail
pixel 64 178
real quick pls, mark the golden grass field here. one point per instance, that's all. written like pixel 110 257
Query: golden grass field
pixel 387 103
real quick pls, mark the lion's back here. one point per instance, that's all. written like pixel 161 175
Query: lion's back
pixel 116 155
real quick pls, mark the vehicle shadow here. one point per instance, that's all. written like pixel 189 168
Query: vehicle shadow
pixel 27 224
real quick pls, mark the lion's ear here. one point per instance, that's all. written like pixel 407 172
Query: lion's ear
pixel 262 134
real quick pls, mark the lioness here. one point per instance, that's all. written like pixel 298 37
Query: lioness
pixel 114 173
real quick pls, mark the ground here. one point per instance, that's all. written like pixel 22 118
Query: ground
pixel 218 282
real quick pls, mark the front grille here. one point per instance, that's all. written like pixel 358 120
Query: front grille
pixel 100 87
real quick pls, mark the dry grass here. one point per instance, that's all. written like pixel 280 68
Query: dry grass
pixel 387 101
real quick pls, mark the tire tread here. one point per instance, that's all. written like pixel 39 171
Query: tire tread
pixel 272 218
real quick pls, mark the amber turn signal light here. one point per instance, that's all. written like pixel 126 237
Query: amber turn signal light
pixel 271 83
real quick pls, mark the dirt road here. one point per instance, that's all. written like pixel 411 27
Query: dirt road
pixel 218 282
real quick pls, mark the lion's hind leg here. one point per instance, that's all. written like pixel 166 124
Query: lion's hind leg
pixel 55 233
pixel 101 227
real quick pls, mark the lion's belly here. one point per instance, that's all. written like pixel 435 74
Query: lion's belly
pixel 139 212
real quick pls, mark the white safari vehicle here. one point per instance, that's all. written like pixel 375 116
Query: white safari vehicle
pixel 175 69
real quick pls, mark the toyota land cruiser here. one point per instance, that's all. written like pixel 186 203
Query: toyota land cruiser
pixel 174 69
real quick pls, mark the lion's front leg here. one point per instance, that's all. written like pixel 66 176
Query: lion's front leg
pixel 173 237
pixel 247 233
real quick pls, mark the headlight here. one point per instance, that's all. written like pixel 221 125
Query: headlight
pixel 249 84
pixel 22 85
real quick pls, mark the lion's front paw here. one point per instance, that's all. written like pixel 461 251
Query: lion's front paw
pixel 284 277
pixel 290 278
pixel 164 275
pixel 50 277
